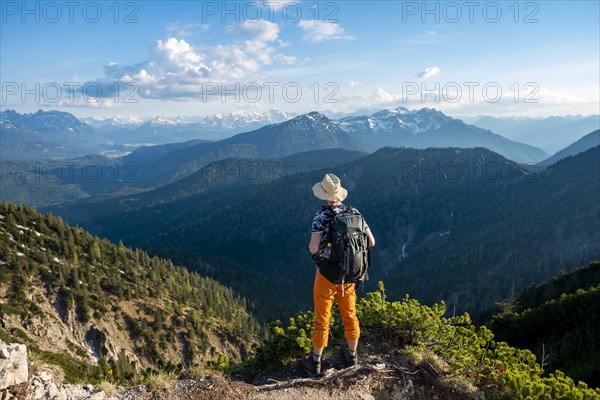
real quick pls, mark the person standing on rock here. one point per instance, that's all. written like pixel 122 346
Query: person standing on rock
pixel 332 281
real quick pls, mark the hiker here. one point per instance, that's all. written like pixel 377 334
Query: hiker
pixel 327 286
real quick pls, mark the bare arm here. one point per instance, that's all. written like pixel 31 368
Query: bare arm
pixel 315 239
pixel 371 237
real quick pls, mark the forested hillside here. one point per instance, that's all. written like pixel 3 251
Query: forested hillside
pixel 559 321
pixel 463 225
pixel 231 175
pixel 107 311
pixel 104 312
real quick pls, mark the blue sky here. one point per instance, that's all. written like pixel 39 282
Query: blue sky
pixel 196 58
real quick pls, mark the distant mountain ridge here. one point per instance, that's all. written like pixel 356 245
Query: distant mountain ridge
pixel 150 166
pixel 309 132
pixel 431 128
pixel 52 122
pixel 314 131
pixel 550 133
pixel 113 123
pixel 118 135
pixel 400 118
pixel 587 142
pixel 52 134
pixel 160 130
pixel 47 134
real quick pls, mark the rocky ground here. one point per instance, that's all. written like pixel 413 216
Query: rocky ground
pixel 376 377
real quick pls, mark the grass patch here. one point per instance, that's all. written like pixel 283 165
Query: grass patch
pixel 9 309
pixel 108 388
pixel 74 371
pixel 160 380
pixel 16 336
pixel 5 337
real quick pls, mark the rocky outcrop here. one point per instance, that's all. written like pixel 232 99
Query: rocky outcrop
pixel 102 346
pixel 13 364
pixel 42 387
pixel 15 382
pixel 56 329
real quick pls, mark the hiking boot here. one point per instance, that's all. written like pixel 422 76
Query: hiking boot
pixel 311 366
pixel 349 359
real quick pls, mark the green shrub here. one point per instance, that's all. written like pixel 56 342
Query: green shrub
pixel 220 363
pixel 499 370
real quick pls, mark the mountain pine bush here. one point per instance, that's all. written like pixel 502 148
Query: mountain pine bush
pixel 406 326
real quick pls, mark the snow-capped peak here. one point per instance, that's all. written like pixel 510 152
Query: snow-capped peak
pixel 391 119
pixel 114 122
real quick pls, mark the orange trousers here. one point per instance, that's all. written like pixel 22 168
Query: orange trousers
pixel 324 293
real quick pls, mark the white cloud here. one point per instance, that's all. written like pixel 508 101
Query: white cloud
pixel 353 83
pixel 282 58
pixel 581 99
pixel 549 101
pixel 381 96
pixel 318 31
pixel 429 72
pixel 260 33
pixel 186 30
pixel 175 55
pixel 176 70
pixel 377 97
pixel 264 31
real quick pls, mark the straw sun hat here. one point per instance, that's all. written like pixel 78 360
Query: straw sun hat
pixel 330 188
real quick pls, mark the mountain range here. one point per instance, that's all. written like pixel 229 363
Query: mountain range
pixel 460 215
pixel 119 136
pixel 313 131
pixel 440 213
pixel 152 166
pixel 147 167
pixel 587 142
pixel 160 130
pixel 56 134
pixel 550 133
pixel 431 128
pixel 52 134
pixel 308 132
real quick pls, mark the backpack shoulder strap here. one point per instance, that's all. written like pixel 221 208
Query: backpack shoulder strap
pixel 327 209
